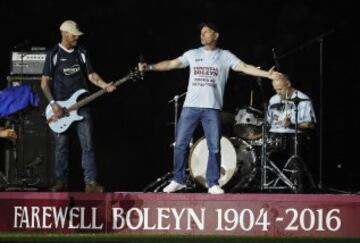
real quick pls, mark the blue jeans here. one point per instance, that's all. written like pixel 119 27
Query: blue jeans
pixel 188 121
pixel 84 131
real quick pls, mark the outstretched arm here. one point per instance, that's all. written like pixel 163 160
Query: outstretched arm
pixel 162 66
pixel 254 71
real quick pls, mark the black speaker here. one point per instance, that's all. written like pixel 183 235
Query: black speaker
pixel 30 159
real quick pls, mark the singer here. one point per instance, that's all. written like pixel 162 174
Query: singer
pixel 209 70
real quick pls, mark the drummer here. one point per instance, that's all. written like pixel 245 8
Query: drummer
pixel 281 116
pixel 281 109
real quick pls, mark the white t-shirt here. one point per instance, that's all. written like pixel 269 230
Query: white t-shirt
pixel 278 108
pixel 209 71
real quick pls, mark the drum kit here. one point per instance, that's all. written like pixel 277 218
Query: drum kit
pixel 254 159
pixel 247 161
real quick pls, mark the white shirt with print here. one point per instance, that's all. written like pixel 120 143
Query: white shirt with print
pixel 209 71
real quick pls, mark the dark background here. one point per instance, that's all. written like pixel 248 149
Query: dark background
pixel 132 130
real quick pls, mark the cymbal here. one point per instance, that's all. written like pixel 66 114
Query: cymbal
pixel 253 109
pixel 297 99
pixel 227 118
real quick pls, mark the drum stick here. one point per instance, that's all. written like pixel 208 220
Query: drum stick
pixel 286 104
pixel 251 98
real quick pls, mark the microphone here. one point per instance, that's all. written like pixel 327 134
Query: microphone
pixel 276 59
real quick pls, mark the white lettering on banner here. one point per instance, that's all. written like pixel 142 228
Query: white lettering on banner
pixel 60 216
pixel 164 214
pixel 54 217
pixel 137 218
pixel 46 215
pixel 177 218
pixel 35 217
pixel 297 219
pixel 180 219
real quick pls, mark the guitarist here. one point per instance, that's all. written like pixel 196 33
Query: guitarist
pixel 66 69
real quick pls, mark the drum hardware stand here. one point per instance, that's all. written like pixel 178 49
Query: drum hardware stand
pixel 158 183
pixel 268 165
pixel 296 155
pixel 265 163
pixel 295 158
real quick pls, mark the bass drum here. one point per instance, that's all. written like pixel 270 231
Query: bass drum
pixel 237 158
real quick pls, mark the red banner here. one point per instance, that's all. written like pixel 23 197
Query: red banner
pixel 200 214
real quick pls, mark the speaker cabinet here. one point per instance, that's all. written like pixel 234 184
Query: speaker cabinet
pixel 30 160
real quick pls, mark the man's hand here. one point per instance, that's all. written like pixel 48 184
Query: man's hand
pixel 287 122
pixel 58 110
pixel 274 74
pixel 143 67
pixel 110 87
pixel 8 133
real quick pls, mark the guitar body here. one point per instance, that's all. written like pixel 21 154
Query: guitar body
pixel 62 124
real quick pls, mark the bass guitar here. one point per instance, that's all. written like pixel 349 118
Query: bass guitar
pixel 71 105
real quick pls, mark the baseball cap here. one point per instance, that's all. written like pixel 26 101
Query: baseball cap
pixel 71 27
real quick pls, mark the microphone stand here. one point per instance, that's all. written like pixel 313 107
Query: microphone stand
pixel 300 163
pixel 320 40
pixel 176 110
pixel 160 182
pixel 263 157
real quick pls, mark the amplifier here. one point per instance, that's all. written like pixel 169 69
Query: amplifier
pixel 27 62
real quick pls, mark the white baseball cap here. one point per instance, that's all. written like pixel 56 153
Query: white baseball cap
pixel 70 27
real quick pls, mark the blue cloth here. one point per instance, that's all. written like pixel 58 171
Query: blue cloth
pixel 188 121
pixel 17 98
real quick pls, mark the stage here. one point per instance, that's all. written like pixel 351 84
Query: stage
pixel 274 215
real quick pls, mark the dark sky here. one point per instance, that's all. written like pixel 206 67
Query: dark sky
pixel 132 131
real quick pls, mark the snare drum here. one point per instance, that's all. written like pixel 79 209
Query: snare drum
pixel 248 124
